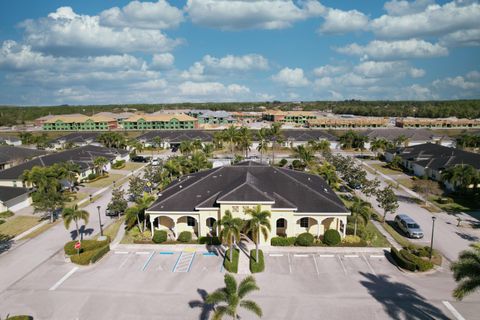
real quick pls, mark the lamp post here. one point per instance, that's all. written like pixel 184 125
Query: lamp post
pixel 100 221
pixel 431 242
pixel 90 196
pixel 114 183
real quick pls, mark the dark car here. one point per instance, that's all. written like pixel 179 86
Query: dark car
pixel 139 159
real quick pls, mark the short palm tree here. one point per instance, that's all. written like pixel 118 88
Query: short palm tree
pixel 466 272
pixel 258 224
pixel 99 163
pixel 305 154
pixel 233 296
pixel 361 209
pixel 186 147
pixel 73 214
pixel 142 204
pixel 230 230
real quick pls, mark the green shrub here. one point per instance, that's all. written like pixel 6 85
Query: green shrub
pixel 420 264
pixel 304 239
pixel 6 214
pixel 185 236
pixel 91 176
pixel 99 253
pixel 160 236
pixel 401 261
pixel 118 164
pixel 87 245
pixel 210 241
pixel 231 266
pixel 352 239
pixel 21 317
pixel 331 237
pixel 283 241
pixel 83 258
pixel 282 163
pixel 256 266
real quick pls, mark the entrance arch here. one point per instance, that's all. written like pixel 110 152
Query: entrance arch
pixel 210 223
pixel 187 223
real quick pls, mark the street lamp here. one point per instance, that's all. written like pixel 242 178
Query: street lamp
pixel 90 196
pixel 114 183
pixel 431 242
pixel 100 221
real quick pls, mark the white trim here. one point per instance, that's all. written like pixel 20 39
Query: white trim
pixel 256 202
pixel 322 214
pixel 206 209
pixel 173 212
pixel 284 209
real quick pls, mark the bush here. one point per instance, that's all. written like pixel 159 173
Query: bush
pixel 185 236
pixel 91 176
pixel 283 241
pixel 332 237
pixel 118 164
pixel 21 317
pixel 420 264
pixel 87 245
pixel 83 258
pixel 282 163
pixel 160 236
pixel 2 221
pixel 352 240
pixel 98 254
pixel 401 261
pixel 304 239
pixel 210 241
pixel 231 266
pixel 6 214
pixel 256 266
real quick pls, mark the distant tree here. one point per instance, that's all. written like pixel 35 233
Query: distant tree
pixel 304 154
pixel 462 177
pixel 352 140
pixel 157 141
pixel 186 147
pixel 387 201
pixel 99 164
pixel 74 214
pixel 400 141
pixel 244 139
pixel 136 187
pixel 112 140
pixel 328 173
pixel 275 136
pixel 379 145
pixel 26 138
pixel 72 171
pixel 230 135
pixel 118 203
pixel 396 163
pixel 262 137
pixel 370 187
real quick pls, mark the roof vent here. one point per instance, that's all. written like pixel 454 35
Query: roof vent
pixel 199 195
pixel 214 176
pixel 180 186
pixel 159 194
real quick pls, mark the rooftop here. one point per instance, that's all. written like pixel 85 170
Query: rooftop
pixel 9 193
pixel 10 153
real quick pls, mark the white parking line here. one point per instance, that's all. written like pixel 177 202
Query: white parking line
pixel 369 265
pixel 289 263
pixel 300 255
pixel 121 252
pixel 351 256
pixel 376 256
pixel 316 267
pixel 124 261
pixel 326 255
pixel 276 255
pixel 65 277
pixel 454 311
pixel 142 252
pixel 343 266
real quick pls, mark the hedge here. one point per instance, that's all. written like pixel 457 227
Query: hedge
pixel 304 239
pixel 283 241
pixel 91 256
pixel 87 245
pixel 185 236
pixel 332 237
pixel 420 264
pixel 98 254
pixel 118 164
pixel 231 266
pixel 160 236
pixel 401 261
pixel 256 266
pixel 22 317
pixel 210 241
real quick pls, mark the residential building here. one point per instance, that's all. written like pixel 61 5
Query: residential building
pixel 11 156
pixel 117 116
pixel 211 117
pixel 297 137
pixel 347 122
pixel 80 122
pixel 453 122
pixel 83 156
pixel 75 139
pixel 160 121
pixel 430 160
pixel 298 117
pixel 298 202
pixel 14 199
pixel 246 116
pixel 412 136
pixel 173 138
pixel 10 140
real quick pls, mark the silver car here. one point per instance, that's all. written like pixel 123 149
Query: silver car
pixel 408 226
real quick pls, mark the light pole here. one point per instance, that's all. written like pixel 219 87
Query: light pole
pixel 431 242
pixel 90 196
pixel 100 221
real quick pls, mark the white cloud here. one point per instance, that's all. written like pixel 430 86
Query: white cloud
pixel 457 82
pixel 415 92
pixel 392 50
pixel 163 60
pixel 195 72
pixel 248 14
pixel 143 15
pixel 473 75
pixel 416 73
pixel 434 20
pixel 403 7
pixel 190 88
pixel 69 33
pixel 392 69
pixel 328 70
pixel 291 78
pixel 241 63
pixel 462 38
pixel 338 21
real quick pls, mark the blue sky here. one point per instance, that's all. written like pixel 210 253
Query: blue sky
pixel 100 52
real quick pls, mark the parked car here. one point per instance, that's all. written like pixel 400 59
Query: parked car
pixel 139 159
pixel 155 162
pixel 409 226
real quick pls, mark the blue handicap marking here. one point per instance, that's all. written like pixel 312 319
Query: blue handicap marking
pixel 210 253
pixel 165 252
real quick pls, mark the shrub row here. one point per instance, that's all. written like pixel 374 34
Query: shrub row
pixel 256 266
pixel 209 240
pixel 231 266
pixel 118 164
pixel 99 253
pixel 22 317
pixel 331 238
pixel 420 264
pixel 87 245
pixel 283 241
pixel 401 261
pixel 88 257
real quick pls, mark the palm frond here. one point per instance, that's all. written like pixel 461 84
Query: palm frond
pixel 466 287
pixel 217 296
pixel 230 284
pixel 252 306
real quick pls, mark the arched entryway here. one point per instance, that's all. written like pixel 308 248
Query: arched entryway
pixel 308 224
pixel 165 223
pixel 210 223
pixel 281 227
pixel 187 223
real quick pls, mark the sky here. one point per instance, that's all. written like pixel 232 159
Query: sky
pixel 110 52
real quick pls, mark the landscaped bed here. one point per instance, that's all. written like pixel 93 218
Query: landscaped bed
pixel 231 266
pixel 256 266
pixel 90 251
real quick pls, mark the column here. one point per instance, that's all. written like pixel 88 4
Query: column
pixel 151 225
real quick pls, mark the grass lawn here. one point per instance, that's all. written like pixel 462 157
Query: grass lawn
pixel 406 182
pixel 18 224
pixel 75 198
pixel 105 181
pixel 379 239
pixel 112 230
pixel 459 204
pixel 383 169
pixel 132 166
pixel 231 266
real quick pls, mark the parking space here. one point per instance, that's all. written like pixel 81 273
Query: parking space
pixel 207 262
pixel 304 265
pixel 162 261
pixel 278 263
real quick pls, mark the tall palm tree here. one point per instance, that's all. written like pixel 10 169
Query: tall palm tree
pixel 72 170
pixel 276 136
pixel 208 149
pixel 262 136
pixel 361 209
pixel 233 296
pixel 466 272
pixel 379 145
pixel 157 141
pixel 142 204
pixel 230 135
pixel 99 163
pixel 328 173
pixel 401 140
pixel 245 139
pixel 258 223
pixel 73 214
pixel 461 176
pixel 230 230
pixel 305 154
pixel 199 161
pixel 186 147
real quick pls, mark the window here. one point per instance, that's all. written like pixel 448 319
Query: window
pixel 235 208
pixel 190 222
pixel 281 223
pixel 304 222
pixel 210 222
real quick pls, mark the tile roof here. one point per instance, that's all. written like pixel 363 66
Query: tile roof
pixel 77 137
pixel 160 117
pixel 393 133
pixel 250 181
pixel 9 193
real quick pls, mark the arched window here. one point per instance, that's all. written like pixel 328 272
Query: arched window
pixel 304 222
pixel 281 223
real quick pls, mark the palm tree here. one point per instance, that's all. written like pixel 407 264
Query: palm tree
pixel 305 154
pixel 208 149
pixel 186 147
pixel 231 228
pixel 461 175
pixel 259 223
pixel 199 161
pixel 233 296
pixel 401 140
pixel 379 145
pixel 361 209
pixel 142 204
pixel 157 141
pixel 73 214
pixel 197 145
pixel 262 135
pixel 230 135
pixel 72 170
pixel 275 134
pixel 466 272
pixel 245 139
pixel 328 173
pixel 99 163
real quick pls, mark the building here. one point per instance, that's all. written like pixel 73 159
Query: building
pixel 412 136
pixel 83 156
pixel 347 122
pixel 211 117
pixel 117 116
pixel 430 160
pixel 14 199
pixel 298 117
pixel 453 122
pixel 298 202
pixel 11 156
pixel 75 139
pixel 79 122
pixel 173 138
pixel 295 138
pixel 246 116
pixel 160 121
pixel 10 140
pixel 40 121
